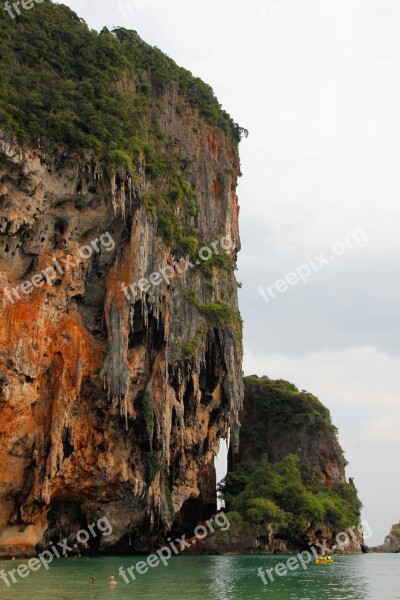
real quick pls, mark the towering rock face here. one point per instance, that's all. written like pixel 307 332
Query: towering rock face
pixel 112 405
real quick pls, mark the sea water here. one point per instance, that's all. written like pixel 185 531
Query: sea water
pixel 360 577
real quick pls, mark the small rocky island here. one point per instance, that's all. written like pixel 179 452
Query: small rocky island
pixel 286 486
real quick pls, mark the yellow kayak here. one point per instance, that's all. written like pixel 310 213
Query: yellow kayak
pixel 324 561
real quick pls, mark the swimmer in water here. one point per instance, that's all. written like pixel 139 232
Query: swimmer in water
pixel 91 581
pixel 111 581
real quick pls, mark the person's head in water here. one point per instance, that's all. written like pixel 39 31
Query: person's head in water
pixel 111 580
pixel 91 580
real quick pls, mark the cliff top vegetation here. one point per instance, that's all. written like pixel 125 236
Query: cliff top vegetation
pixel 66 84
pixel 62 82
pixel 281 406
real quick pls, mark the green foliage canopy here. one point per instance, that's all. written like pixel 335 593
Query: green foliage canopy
pixel 277 494
pixel 62 82
pixel 281 407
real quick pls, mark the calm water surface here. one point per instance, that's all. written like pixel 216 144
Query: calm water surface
pixel 364 577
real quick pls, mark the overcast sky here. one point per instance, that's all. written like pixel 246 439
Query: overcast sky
pixel 317 83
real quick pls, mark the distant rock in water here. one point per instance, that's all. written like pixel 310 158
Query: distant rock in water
pixel 391 543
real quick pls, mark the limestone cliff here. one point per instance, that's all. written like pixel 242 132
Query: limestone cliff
pixel 113 405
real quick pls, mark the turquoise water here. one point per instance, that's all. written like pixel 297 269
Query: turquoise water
pixel 363 577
